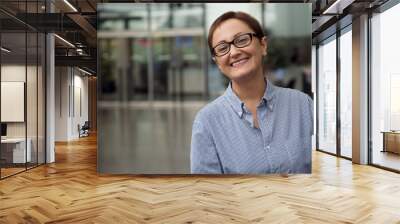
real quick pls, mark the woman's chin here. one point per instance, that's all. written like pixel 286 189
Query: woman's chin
pixel 241 76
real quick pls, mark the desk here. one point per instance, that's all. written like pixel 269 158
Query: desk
pixel 16 147
pixel 391 141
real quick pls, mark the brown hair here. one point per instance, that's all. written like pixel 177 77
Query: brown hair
pixel 244 17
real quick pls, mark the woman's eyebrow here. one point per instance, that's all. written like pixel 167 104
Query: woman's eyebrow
pixel 238 34
pixel 223 41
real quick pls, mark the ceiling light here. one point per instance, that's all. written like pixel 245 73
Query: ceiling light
pixel 79 51
pixel 5 49
pixel 329 9
pixel 337 7
pixel 70 5
pixel 65 41
pixel 86 72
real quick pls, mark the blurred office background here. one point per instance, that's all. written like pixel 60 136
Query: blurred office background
pixel 156 72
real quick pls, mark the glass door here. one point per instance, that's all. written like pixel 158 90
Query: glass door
pixel 327 96
pixel 346 93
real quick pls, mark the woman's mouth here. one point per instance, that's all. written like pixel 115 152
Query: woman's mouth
pixel 239 63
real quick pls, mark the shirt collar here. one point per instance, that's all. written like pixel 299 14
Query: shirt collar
pixel 238 105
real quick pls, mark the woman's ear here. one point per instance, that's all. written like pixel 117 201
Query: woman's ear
pixel 264 45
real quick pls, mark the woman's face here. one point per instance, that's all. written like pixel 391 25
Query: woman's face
pixel 239 63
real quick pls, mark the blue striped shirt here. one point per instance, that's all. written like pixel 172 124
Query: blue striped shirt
pixel 225 140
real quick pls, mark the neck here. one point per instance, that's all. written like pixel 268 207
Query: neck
pixel 251 89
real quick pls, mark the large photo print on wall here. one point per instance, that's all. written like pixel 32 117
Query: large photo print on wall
pixel 204 88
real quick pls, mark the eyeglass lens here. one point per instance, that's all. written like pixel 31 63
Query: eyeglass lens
pixel 239 42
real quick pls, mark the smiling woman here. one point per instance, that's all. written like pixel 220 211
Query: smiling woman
pixel 254 127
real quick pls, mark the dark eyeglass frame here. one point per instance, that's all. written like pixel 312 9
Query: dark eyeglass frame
pixel 233 42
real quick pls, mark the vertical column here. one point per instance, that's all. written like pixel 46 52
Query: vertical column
pixel 360 90
pixel 338 91
pixel 50 92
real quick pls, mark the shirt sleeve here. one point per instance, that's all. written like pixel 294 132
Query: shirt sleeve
pixel 203 156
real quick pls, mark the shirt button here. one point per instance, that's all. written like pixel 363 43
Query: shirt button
pixel 268 147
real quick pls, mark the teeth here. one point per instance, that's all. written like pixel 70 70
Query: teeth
pixel 241 61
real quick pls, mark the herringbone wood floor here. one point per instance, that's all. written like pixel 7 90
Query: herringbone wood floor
pixel 70 191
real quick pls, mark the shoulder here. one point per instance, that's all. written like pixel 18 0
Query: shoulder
pixel 211 110
pixel 293 96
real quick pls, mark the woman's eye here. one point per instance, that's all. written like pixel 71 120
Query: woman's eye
pixel 222 48
pixel 241 40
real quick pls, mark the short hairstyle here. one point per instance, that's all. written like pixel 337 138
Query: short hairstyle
pixel 244 17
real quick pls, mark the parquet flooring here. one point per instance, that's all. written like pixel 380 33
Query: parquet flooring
pixel 10 171
pixel 70 191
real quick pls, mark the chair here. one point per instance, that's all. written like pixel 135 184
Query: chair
pixel 84 130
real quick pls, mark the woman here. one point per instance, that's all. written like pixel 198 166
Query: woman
pixel 254 127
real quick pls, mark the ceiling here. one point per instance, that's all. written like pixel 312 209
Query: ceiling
pixel 76 22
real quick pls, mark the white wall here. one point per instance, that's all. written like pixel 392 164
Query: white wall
pixel 12 101
pixel 71 87
pixel 61 103
pixel 13 73
pixel 79 117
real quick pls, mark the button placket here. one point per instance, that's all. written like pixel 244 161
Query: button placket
pixel 263 126
pixel 264 133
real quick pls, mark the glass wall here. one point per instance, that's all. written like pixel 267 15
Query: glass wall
pixel 385 88
pixel 327 95
pixel 22 90
pixel 14 145
pixel 346 92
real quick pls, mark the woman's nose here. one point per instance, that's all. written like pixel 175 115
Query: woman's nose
pixel 235 51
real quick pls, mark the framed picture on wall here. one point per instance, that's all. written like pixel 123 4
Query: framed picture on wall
pixel 12 101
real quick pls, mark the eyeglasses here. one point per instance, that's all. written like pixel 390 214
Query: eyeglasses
pixel 240 41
